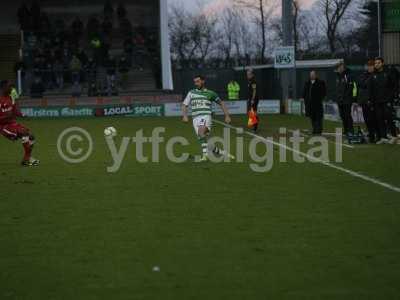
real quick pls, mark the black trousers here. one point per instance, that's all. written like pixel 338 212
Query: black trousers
pixel 390 119
pixel 317 125
pixel 370 121
pixel 380 115
pixel 253 105
pixel 347 119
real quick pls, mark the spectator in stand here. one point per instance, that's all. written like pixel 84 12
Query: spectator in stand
pixel 121 11
pixel 24 16
pixel 139 51
pixel 123 68
pixel 76 90
pixel 93 90
pixel 66 55
pixel 82 57
pixel 58 69
pixel 114 90
pixel 37 88
pixel 77 28
pixel 95 42
pixel 128 48
pixel 105 51
pixel 96 46
pixel 91 69
pixel 48 80
pixel 38 67
pixel 139 41
pixel 111 71
pixel 151 43
pixel 60 32
pixel 108 10
pixel 92 27
pixel 47 45
pixel 126 28
pixel 57 44
pixel 107 26
pixel 76 69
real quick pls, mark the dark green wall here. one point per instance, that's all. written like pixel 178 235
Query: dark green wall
pixel 268 80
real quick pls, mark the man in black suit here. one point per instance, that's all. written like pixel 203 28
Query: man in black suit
pixel 314 94
pixel 346 95
pixel 253 94
pixel 365 100
pixel 383 88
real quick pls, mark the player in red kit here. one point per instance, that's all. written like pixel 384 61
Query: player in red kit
pixel 12 130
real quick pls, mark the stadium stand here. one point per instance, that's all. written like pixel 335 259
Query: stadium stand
pixel 97 49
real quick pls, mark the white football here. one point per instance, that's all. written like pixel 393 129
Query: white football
pixel 110 132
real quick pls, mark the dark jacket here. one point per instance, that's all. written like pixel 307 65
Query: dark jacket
pixel 383 87
pixel 364 93
pixel 344 88
pixel 252 87
pixel 314 95
pixel 110 66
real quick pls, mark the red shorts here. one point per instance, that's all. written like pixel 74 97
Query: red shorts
pixel 13 131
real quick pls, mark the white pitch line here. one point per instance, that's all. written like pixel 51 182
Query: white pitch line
pixel 329 141
pixel 311 158
pixel 331 134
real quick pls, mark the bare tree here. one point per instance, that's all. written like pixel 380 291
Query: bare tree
pixel 182 46
pixel 276 25
pixel 242 41
pixel 203 34
pixel 234 35
pixel 192 36
pixel 311 40
pixel 250 28
pixel 333 11
pixel 263 11
pixel 228 34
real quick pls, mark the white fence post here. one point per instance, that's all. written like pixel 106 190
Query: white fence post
pixel 19 76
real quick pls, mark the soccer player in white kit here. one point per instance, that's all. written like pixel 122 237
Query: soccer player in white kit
pixel 201 100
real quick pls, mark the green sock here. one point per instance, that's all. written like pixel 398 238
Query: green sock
pixel 204 144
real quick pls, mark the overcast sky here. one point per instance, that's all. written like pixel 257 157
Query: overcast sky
pixel 215 4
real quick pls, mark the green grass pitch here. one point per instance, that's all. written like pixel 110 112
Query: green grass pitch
pixel 216 231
